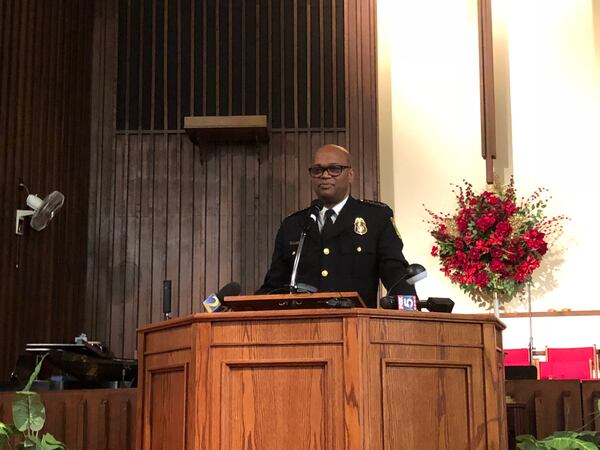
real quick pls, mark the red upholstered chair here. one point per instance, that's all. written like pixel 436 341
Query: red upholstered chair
pixel 516 356
pixel 572 363
pixel 565 370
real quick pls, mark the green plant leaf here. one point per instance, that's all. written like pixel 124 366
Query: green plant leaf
pixel 49 442
pixel 529 442
pixel 528 445
pixel 28 411
pixel 35 373
pixel 569 443
pixel 5 434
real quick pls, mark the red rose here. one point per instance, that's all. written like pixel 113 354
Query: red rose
pixel 474 254
pixel 496 252
pixel 485 222
pixel 434 250
pixel 493 200
pixel 495 239
pixel 526 268
pixel 503 228
pixel 482 246
pixel 509 208
pixel 481 279
pixel 497 266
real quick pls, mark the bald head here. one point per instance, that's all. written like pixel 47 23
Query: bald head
pixel 332 189
pixel 337 150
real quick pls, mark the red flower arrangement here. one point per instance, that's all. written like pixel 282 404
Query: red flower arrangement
pixel 493 242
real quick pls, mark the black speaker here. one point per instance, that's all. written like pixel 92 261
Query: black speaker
pixel 520 373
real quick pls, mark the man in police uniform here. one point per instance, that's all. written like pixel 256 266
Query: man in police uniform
pixel 353 244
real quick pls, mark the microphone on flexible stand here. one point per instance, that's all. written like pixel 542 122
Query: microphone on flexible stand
pixel 214 302
pixel 313 213
pixel 414 273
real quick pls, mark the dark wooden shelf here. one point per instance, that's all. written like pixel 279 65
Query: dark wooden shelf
pixel 248 129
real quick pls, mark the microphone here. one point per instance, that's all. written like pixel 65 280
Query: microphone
pixel 400 302
pixel 313 213
pixel 167 299
pixel 414 273
pixel 214 302
pixel 403 302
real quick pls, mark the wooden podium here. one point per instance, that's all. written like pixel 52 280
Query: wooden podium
pixel 321 379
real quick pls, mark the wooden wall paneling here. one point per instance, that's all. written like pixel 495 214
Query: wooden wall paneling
pixel 144 287
pixel 159 225
pixel 186 265
pixel 226 207
pixel 369 95
pixel 132 219
pixel 117 247
pixel 99 419
pixel 213 201
pixel 173 211
pixel 590 396
pixel 199 230
pixel 238 210
pixel 278 58
pixel 5 263
pixel 96 100
pixel 11 252
pixel 304 192
pixel 362 143
pixel 552 405
pixel 44 139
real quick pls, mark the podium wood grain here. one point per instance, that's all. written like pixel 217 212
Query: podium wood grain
pixel 321 379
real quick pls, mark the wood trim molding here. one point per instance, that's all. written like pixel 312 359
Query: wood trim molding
pixel 591 312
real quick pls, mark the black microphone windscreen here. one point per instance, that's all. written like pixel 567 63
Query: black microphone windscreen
pixel 229 289
pixel 389 302
pixel 317 203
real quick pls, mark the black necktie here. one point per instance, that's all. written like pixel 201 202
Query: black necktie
pixel 328 222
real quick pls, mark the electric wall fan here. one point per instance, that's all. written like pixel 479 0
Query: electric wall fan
pixel 41 212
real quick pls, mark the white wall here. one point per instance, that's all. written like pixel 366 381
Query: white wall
pixel 547 72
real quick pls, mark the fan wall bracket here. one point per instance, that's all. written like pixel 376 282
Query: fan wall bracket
pixel 20 220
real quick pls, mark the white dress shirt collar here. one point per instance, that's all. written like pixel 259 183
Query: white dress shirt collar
pixel 336 209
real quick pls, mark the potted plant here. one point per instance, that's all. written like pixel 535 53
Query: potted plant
pixel 561 440
pixel 29 416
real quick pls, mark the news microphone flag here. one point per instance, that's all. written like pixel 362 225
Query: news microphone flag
pixel 407 302
pixel 212 304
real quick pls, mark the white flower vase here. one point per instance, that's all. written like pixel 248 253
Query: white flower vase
pixel 496 305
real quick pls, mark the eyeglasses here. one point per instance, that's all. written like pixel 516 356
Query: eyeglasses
pixel 335 170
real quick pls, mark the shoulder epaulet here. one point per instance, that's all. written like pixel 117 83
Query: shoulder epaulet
pixel 374 203
pixel 295 213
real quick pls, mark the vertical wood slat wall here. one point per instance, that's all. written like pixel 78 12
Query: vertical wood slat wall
pixel 95 419
pixel 201 216
pixel 45 54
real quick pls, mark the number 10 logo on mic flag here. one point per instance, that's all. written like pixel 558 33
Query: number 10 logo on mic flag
pixel 407 302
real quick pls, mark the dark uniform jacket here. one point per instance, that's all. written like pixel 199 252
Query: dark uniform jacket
pixel 362 247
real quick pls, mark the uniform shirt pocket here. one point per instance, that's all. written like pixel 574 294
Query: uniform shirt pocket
pixel 361 254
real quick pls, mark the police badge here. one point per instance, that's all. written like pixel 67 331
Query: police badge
pixel 360 226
